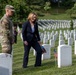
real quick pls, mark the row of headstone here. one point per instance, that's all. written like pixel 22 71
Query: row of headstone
pixel 51 37
pixel 46 37
pixel 70 36
pixel 54 24
pixel 64 51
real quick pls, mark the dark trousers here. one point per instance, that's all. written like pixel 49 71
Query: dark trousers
pixel 15 39
pixel 38 50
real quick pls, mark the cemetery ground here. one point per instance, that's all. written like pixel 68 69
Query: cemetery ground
pixel 49 67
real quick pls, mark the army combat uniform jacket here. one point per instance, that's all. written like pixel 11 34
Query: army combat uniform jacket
pixel 6 34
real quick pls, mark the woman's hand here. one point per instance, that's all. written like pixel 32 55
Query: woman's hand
pixel 39 42
pixel 25 42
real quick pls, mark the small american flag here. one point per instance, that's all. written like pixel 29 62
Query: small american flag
pixel 55 53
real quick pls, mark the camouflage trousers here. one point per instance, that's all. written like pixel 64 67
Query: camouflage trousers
pixel 6 46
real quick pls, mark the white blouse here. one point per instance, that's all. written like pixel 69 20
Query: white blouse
pixel 32 27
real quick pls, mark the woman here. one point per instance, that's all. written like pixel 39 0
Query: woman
pixel 31 38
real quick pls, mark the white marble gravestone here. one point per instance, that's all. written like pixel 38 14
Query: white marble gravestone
pixel 21 36
pixel 74 37
pixel 46 55
pixel 60 37
pixel 75 47
pixel 70 41
pixel 5 64
pixel 60 32
pixel 52 43
pixel 4 71
pixel 19 31
pixel 34 52
pixel 66 36
pixel 61 42
pixel 54 37
pixel 45 40
pixel 64 55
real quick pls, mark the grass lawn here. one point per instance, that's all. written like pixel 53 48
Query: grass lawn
pixel 49 67
pixel 54 13
pixel 62 16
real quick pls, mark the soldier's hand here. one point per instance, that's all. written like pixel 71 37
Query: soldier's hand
pixel 12 41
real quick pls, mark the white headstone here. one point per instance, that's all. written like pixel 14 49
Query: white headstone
pixel 61 42
pixel 19 31
pixel 75 47
pixel 47 54
pixel 60 37
pixel 60 32
pixel 54 37
pixel 45 41
pixel 64 55
pixel 5 64
pixel 74 37
pixel 66 36
pixel 21 36
pixel 70 41
pixel 52 43
pixel 34 52
pixel 4 71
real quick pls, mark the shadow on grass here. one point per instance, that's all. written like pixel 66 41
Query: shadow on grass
pixel 49 63
pixel 32 69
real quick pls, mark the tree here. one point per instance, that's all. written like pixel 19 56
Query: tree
pixel 72 11
pixel 67 3
pixel 47 6
pixel 2 6
pixel 31 2
pixel 21 9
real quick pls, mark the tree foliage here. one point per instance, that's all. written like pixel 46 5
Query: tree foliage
pixel 21 9
pixel 47 6
pixel 67 3
pixel 31 2
pixel 72 11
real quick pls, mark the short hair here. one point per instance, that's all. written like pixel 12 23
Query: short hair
pixel 31 15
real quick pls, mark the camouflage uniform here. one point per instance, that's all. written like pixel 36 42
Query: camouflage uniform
pixel 6 34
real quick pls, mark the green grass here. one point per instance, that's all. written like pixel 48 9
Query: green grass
pixel 54 13
pixel 61 16
pixel 48 66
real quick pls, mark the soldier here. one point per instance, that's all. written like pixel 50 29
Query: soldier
pixel 6 30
